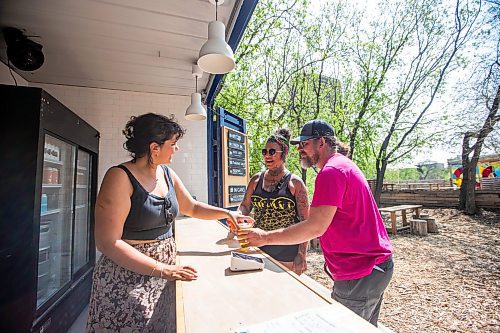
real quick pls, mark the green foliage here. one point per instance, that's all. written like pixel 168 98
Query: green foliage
pixel 373 76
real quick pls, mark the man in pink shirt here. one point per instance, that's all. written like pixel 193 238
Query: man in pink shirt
pixel 355 244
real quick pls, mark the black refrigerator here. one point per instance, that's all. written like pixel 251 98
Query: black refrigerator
pixel 48 186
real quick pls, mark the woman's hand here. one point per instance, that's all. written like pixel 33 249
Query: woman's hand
pixel 235 218
pixel 299 264
pixel 178 272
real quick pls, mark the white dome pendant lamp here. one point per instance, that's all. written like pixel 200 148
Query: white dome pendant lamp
pixel 196 111
pixel 216 56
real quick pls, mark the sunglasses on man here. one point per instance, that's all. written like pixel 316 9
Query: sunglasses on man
pixel 270 152
pixel 303 144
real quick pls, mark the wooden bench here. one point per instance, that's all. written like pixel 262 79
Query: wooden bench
pixel 401 208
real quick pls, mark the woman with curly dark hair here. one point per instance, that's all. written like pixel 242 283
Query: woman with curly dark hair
pixel 278 199
pixel 133 286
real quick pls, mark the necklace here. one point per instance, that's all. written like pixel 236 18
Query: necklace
pixel 274 183
pixel 275 172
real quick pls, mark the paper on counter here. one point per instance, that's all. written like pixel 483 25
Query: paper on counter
pixel 327 319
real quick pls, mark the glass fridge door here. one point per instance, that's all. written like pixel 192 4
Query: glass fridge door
pixel 82 211
pixel 54 254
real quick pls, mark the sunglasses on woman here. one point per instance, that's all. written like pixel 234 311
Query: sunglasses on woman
pixel 270 152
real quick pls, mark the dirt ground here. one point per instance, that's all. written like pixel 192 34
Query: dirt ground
pixel 444 282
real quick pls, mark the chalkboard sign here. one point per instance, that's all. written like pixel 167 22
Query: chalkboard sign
pixel 236 198
pixel 235 145
pixel 236 171
pixel 237 163
pixel 234 136
pixel 234 153
pixel 234 189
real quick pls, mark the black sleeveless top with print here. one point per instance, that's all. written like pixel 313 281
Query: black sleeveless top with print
pixel 150 216
pixel 274 210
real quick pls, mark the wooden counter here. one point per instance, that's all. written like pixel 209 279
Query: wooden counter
pixel 224 301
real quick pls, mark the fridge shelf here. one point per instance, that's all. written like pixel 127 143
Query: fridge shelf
pixel 80 206
pixel 81 186
pixel 51 185
pixel 53 162
pixel 81 168
pixel 50 212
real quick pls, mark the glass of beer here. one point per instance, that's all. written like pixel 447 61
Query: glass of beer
pixel 241 232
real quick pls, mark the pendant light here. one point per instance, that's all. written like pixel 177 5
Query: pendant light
pixel 196 111
pixel 216 56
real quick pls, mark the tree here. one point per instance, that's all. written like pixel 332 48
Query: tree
pixel 487 98
pixel 477 102
pixel 375 83
pixel 283 82
pixel 422 77
pixel 431 170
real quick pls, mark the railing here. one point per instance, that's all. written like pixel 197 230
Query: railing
pixel 443 198
pixel 427 185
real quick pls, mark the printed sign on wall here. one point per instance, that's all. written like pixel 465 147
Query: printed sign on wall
pixel 235 166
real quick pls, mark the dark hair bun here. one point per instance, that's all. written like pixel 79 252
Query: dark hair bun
pixel 140 131
pixel 285 132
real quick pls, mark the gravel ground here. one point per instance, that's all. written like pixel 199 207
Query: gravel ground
pixel 444 282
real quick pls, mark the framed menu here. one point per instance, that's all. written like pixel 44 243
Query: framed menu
pixel 235 166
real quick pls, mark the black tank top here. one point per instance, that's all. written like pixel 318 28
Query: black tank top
pixel 274 210
pixel 150 216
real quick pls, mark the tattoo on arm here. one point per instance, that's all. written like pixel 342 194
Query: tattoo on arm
pixel 303 248
pixel 302 199
pixel 302 207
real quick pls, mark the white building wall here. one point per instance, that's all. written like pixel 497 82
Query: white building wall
pixel 6 77
pixel 109 110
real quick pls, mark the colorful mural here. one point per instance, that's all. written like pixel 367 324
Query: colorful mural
pixel 483 170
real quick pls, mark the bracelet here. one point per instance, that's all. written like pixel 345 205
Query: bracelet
pixel 154 268
pixel 161 271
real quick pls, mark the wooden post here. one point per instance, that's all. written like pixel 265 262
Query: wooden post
pixel 393 222
pixel 419 227
pixel 431 225
pixel 314 243
pixel 403 213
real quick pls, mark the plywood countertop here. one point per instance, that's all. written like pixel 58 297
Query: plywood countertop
pixel 224 301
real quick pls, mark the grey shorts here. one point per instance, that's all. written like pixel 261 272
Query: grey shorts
pixel 364 296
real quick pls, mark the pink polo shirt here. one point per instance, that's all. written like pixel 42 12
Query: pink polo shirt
pixel 356 239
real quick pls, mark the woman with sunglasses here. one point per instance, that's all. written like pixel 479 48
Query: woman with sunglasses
pixel 278 199
pixel 133 285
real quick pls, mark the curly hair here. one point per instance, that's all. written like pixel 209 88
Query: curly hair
pixel 140 131
pixel 281 137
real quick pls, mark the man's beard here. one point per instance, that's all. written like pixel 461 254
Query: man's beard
pixel 309 161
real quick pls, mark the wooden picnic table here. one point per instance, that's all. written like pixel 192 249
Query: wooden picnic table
pixel 400 208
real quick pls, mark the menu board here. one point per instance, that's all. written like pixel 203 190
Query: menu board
pixel 236 193
pixel 235 144
pixel 235 166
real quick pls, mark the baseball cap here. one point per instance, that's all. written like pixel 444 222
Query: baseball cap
pixel 314 129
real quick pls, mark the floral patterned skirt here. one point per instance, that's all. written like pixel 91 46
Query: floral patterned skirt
pixel 124 301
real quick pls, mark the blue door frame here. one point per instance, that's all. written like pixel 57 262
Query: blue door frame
pixel 220 117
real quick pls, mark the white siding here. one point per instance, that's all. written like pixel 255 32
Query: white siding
pixel 109 110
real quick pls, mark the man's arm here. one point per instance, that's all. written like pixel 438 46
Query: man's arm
pixel 319 219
